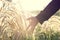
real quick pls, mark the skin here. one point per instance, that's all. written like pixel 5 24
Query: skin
pixel 50 10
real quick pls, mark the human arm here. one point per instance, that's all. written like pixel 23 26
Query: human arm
pixel 50 10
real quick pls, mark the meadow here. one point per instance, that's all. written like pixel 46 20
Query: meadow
pixel 13 25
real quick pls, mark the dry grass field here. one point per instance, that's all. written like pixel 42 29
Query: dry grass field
pixel 13 25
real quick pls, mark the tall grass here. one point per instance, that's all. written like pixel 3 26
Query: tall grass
pixel 12 26
pixel 50 30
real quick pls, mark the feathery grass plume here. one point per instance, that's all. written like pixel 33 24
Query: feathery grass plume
pixel 11 26
pixel 50 29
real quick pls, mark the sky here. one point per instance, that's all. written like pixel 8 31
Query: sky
pixel 31 5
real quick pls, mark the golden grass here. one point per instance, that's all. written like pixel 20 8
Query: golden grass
pixel 11 23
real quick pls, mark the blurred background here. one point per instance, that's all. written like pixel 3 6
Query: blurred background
pixel 31 5
pixel 49 30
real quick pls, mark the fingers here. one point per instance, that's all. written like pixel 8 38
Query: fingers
pixel 31 26
pixel 31 22
pixel 28 27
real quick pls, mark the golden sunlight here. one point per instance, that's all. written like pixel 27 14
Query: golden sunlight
pixel 30 5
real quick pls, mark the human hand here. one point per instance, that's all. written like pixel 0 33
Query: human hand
pixel 32 24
